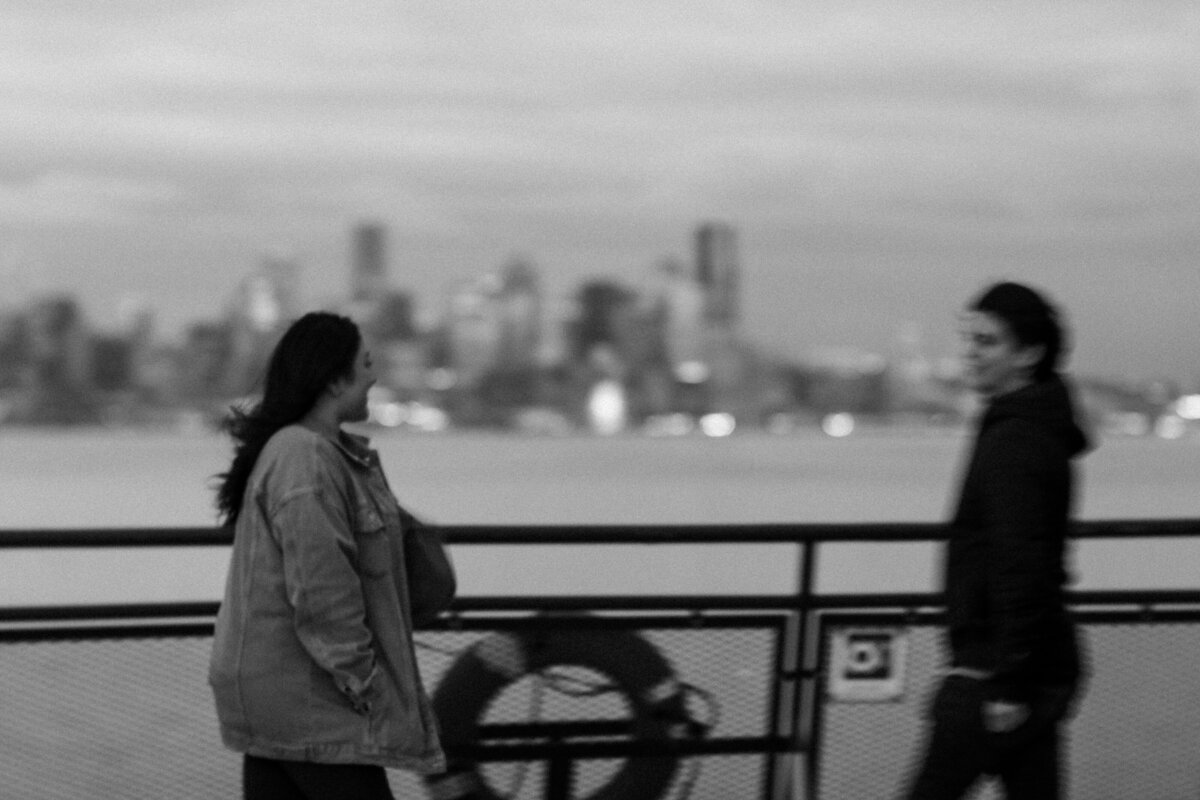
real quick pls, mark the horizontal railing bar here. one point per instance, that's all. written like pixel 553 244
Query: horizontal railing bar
pixel 1136 609
pixel 1126 612
pixel 734 745
pixel 791 602
pixel 1154 597
pixel 1131 597
pixel 562 729
pixel 665 602
pixel 680 605
pixel 114 537
pixel 757 533
pixel 676 603
pixel 79 633
pixel 537 619
pixel 552 603
pixel 461 605
pixel 108 611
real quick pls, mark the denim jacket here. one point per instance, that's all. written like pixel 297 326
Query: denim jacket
pixel 313 658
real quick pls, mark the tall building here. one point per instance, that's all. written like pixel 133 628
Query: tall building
pixel 395 317
pixel 473 325
pixel 682 301
pixel 369 259
pixel 62 359
pixel 257 304
pixel 16 351
pixel 717 272
pixel 520 312
pixel 264 303
pixel 603 305
pixel 283 276
pixel 60 344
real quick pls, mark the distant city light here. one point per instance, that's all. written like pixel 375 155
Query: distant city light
pixel 388 412
pixel 1188 407
pixel 1170 427
pixel 838 425
pixel 382 407
pixel 441 379
pixel 606 408
pixel 669 425
pixel 717 425
pixel 263 308
pixel 427 418
pixel 389 415
pixel 692 372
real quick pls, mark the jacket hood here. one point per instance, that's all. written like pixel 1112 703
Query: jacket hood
pixel 1047 404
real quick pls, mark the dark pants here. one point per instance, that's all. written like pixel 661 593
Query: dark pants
pixel 268 779
pixel 960 749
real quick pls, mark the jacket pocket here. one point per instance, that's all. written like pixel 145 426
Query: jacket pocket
pixel 393 724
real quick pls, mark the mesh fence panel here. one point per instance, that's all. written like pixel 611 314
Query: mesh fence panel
pixel 1137 733
pixel 120 718
pixel 132 718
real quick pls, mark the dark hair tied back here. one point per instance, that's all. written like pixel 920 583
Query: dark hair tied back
pixel 1032 319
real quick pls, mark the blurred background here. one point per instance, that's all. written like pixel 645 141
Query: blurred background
pixel 619 218
pixel 637 219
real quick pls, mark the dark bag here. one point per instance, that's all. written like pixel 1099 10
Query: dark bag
pixel 430 573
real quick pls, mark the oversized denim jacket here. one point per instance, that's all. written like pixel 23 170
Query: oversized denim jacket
pixel 312 658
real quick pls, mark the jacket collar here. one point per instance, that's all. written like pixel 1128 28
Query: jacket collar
pixel 1046 403
pixel 356 448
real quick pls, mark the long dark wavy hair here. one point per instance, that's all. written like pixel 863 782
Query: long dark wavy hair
pixel 316 350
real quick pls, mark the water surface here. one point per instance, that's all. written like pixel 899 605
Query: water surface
pixel 137 479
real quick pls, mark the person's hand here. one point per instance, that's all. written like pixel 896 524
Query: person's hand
pixel 1001 716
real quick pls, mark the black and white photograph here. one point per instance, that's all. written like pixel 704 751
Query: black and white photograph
pixel 462 400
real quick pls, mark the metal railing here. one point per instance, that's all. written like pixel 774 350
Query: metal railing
pixel 791 630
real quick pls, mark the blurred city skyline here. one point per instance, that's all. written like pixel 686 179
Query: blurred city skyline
pixel 666 357
pixel 881 162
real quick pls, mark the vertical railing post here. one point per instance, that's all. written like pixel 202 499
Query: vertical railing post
pixel 560 776
pixel 800 705
pixel 806 685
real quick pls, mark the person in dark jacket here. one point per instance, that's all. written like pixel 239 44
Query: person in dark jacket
pixel 1015 666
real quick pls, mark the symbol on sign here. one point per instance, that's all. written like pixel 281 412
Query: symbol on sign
pixel 868 656
pixel 868 664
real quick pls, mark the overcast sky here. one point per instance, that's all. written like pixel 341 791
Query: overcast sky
pixel 880 160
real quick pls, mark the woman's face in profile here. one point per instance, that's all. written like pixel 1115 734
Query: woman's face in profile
pixel 354 399
pixel 994 361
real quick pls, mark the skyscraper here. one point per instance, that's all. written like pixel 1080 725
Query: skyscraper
pixel 520 316
pixel 59 339
pixel 369 277
pixel 717 272
pixel 283 275
pixel 474 324
pixel 682 303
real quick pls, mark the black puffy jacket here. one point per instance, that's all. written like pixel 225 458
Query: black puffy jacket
pixel 1004 569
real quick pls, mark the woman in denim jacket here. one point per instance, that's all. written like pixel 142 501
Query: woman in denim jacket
pixel 313 668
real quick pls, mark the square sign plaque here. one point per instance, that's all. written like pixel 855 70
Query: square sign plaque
pixel 867 664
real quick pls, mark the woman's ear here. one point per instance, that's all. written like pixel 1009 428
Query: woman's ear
pixel 337 387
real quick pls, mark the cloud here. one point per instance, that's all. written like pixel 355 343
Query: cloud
pixel 82 198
